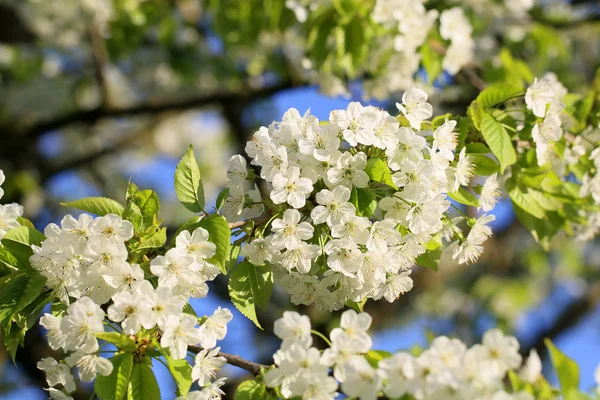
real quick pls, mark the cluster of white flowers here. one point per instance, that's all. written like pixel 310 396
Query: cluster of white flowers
pixel 544 99
pixel 323 249
pixel 85 260
pixel 412 22
pixel 455 27
pixel 9 213
pixel 448 369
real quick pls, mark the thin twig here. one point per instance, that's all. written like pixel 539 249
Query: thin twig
pixel 257 221
pixel 237 361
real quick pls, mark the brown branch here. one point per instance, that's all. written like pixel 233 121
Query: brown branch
pixel 93 115
pixel 237 361
pixel 99 61
pixel 257 221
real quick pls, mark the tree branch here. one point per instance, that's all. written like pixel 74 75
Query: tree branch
pixel 237 361
pixel 257 221
pixel 93 115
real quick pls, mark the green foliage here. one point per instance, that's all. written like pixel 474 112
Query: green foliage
pixel 250 286
pixel 374 356
pixel 19 289
pixel 498 94
pixel 463 196
pixel 181 371
pixel 567 372
pixel 430 259
pixel 253 390
pixel 143 383
pixel 498 140
pixel 484 165
pixel 115 385
pixel 379 171
pixel 219 234
pixel 97 205
pixel 188 182
pixel 120 340
pixel 364 200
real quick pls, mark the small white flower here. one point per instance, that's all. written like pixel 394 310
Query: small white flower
pixel 57 373
pixel 112 227
pixel 179 332
pixel 259 251
pixel 464 170
pixel 195 244
pixel 8 217
pixel 206 365
pixel 237 170
pixel 490 193
pixel 293 328
pixel 349 171
pixel 415 107
pixel 84 319
pixel 532 370
pixel 214 328
pixel 300 257
pixel 89 365
pixel 132 311
pixel 291 188
pixel 332 205
pixel 538 96
pixel 362 380
pixel 445 139
pixel 394 286
pixel 56 337
pixel 289 231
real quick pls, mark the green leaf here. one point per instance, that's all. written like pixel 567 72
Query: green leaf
pixel 498 94
pixel 484 166
pixel 364 201
pixel 18 290
pixel 97 205
pixel 188 182
pixel 475 113
pixel 477 148
pixel 114 386
pixel 374 356
pixel 121 341
pixel 249 286
pixel 25 235
pixel 134 215
pixel 221 198
pixel 251 390
pixel 157 240
pixel 219 233
pixel 181 371
pixel 463 196
pixel 379 171
pixel 149 205
pixel 430 259
pixel 143 383
pixel 521 196
pixel 533 177
pixel 498 139
pixel 356 306
pixel 566 369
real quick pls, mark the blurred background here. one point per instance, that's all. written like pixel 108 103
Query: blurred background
pixel 95 92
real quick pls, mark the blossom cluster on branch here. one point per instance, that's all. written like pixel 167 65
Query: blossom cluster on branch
pixel 336 212
pixel 447 369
